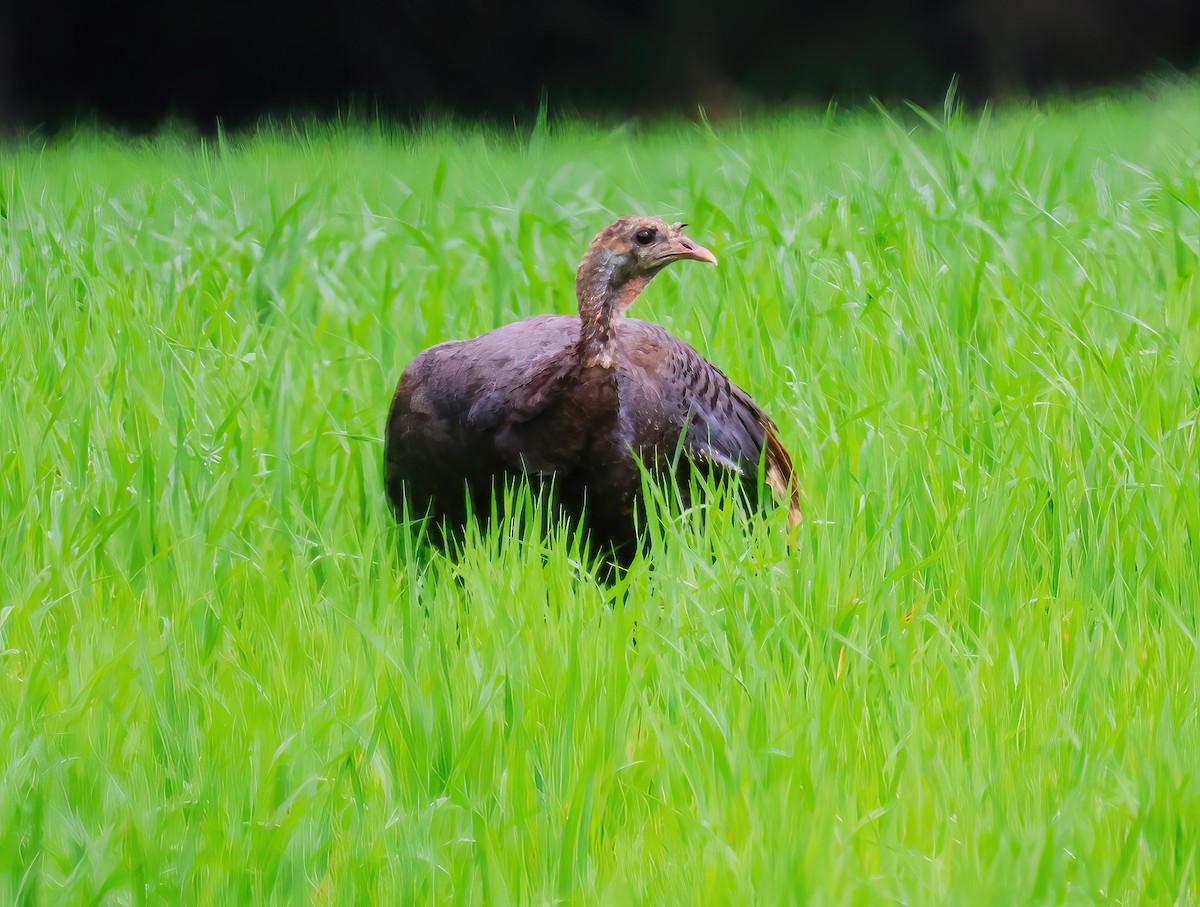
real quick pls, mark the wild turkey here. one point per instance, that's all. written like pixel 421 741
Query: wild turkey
pixel 577 400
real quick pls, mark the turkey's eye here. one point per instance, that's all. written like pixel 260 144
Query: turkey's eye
pixel 645 237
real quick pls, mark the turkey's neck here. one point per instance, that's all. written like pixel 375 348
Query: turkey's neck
pixel 604 296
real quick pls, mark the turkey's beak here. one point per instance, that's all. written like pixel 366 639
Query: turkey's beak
pixel 683 249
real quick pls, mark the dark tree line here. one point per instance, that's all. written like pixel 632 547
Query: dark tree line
pixel 134 63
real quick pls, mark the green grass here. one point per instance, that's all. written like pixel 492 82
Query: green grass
pixel 227 677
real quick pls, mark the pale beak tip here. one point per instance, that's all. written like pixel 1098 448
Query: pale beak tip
pixel 699 253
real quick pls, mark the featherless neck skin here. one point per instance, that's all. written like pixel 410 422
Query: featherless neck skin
pixel 604 293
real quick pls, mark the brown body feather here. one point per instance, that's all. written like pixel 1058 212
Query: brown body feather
pixel 578 400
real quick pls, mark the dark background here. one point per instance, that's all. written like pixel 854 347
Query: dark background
pixel 137 63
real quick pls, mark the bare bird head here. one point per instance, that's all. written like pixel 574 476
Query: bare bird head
pixel 636 247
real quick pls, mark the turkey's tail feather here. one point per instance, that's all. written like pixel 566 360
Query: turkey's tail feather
pixel 781 475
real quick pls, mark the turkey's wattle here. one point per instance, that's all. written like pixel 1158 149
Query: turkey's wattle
pixel 577 400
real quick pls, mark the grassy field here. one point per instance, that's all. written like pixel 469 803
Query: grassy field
pixel 226 675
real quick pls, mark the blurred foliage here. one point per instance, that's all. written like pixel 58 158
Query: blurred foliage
pixel 235 62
